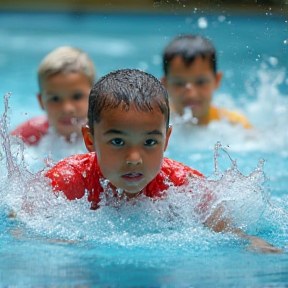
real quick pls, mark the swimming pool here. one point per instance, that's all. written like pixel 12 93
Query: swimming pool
pixel 125 248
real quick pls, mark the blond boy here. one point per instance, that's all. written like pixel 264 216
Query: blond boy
pixel 65 78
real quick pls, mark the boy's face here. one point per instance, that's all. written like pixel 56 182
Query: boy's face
pixel 129 146
pixel 64 97
pixel 191 86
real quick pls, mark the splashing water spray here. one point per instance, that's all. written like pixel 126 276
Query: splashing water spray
pixel 20 188
pixel 187 117
pixel 30 196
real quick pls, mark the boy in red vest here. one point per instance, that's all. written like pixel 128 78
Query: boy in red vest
pixel 127 136
pixel 65 76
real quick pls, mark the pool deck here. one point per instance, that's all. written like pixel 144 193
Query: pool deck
pixel 146 6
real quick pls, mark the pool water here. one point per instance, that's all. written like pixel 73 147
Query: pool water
pixel 145 244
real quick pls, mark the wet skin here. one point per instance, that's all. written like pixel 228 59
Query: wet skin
pixel 129 146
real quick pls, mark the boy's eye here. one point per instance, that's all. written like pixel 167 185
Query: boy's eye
pixel 150 142
pixel 201 81
pixel 55 99
pixel 182 83
pixel 77 96
pixel 179 83
pixel 117 142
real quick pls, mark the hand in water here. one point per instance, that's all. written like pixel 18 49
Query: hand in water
pixel 221 224
pixel 258 245
pixel 22 233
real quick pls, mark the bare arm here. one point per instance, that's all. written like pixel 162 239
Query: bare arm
pixel 218 223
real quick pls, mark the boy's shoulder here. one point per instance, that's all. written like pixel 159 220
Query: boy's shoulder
pixel 178 171
pixel 172 173
pixel 78 162
pixel 32 130
pixel 74 174
pixel 232 116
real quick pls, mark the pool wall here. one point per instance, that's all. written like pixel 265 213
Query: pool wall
pixel 178 6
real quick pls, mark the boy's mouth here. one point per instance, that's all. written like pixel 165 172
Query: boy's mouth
pixel 133 176
pixel 72 121
pixel 193 104
pixel 68 121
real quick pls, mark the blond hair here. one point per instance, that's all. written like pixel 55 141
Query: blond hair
pixel 66 59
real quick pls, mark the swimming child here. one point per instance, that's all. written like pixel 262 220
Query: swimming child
pixel 127 135
pixel 128 131
pixel 65 77
pixel 191 77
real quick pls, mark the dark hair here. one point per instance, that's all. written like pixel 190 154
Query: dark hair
pixel 126 86
pixel 189 47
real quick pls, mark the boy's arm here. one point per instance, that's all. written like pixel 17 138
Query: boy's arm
pixel 67 178
pixel 218 223
pixel 32 130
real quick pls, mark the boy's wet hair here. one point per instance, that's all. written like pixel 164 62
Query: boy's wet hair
pixel 66 59
pixel 127 86
pixel 189 47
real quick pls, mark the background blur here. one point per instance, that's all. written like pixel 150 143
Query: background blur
pixel 251 38
pixel 279 6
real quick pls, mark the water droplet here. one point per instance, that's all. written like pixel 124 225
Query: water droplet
pixel 157 60
pixel 221 18
pixel 143 65
pixel 202 23
pixel 273 61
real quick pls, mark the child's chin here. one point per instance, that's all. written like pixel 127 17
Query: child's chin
pixel 132 192
pixel 69 134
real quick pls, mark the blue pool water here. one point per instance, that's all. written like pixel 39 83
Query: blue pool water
pixel 146 245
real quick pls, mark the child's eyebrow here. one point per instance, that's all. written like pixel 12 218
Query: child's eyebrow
pixel 113 131
pixel 157 132
pixel 116 131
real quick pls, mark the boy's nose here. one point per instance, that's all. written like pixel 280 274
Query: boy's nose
pixel 67 106
pixel 134 158
pixel 190 90
pixel 189 86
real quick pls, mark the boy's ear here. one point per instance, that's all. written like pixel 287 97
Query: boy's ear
pixel 164 81
pixel 169 131
pixel 88 138
pixel 218 78
pixel 39 97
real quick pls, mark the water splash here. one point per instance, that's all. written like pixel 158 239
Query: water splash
pixel 186 118
pixel 26 187
pixel 170 223
pixel 265 106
